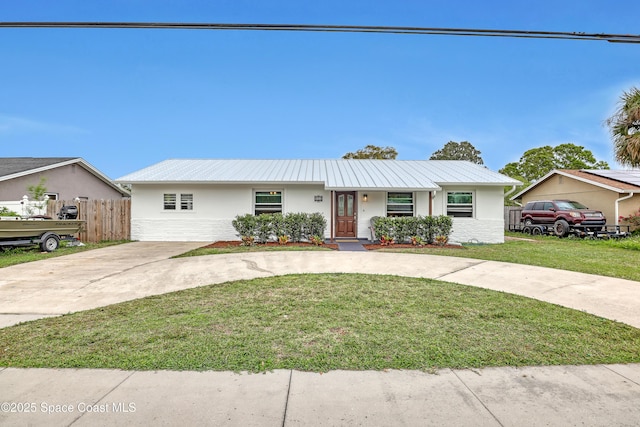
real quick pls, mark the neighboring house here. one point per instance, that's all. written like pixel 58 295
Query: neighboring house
pixel 614 192
pixel 196 200
pixel 67 178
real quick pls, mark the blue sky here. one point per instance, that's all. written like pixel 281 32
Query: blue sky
pixel 125 99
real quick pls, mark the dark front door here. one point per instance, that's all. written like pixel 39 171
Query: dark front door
pixel 346 214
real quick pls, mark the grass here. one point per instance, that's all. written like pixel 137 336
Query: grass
pixel 320 323
pixel 21 255
pixel 614 258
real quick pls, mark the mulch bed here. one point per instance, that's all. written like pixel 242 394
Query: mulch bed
pixel 375 246
pixel 334 246
pixel 228 243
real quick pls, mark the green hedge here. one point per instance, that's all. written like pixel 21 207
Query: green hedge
pixel 402 229
pixel 269 227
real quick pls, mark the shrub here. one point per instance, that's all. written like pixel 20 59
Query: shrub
pixel 316 225
pixel 245 225
pixel 426 228
pixel 278 225
pixel 6 212
pixel 386 240
pixel 283 240
pixel 295 225
pixel 442 225
pixel 632 219
pixel 401 229
pixel 317 240
pixel 265 227
pixel 404 228
pixel 382 226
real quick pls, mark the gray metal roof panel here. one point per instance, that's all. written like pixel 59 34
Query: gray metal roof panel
pixel 334 173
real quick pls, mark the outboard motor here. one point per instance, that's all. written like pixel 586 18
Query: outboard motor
pixel 68 212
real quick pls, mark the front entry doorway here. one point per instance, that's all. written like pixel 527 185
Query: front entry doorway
pixel 346 223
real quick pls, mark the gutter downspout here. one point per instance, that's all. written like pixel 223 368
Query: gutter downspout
pixel 432 196
pixel 513 188
pixel 618 206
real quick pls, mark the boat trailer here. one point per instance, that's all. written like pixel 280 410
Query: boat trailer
pixel 41 230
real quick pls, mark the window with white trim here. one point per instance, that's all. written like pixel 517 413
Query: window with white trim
pixel 186 202
pixel 169 202
pixel 267 202
pixel 460 204
pixel 400 204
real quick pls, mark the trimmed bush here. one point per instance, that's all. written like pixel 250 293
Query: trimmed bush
pixel 245 225
pixel 317 225
pixel 264 230
pixel 295 225
pixel 278 226
pixel 403 229
pixel 275 227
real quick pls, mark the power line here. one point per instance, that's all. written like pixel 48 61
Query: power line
pixel 609 37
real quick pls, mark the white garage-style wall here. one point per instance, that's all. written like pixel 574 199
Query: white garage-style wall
pixel 487 223
pixel 214 208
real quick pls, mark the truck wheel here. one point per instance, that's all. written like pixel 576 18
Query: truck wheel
pixel 528 222
pixel 50 243
pixel 561 228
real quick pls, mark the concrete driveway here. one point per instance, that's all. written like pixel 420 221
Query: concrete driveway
pixel 555 395
pixel 119 273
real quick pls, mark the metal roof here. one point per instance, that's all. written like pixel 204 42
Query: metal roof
pixel 339 174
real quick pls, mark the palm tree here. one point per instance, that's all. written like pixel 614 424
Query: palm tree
pixel 624 126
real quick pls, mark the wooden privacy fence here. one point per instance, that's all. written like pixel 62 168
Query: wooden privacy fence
pixel 105 219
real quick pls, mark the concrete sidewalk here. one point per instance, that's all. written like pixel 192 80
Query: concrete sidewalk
pixel 549 396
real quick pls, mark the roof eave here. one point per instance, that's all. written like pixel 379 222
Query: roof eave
pixel 568 175
pixel 77 160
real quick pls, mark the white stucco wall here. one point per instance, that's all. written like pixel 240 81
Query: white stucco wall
pixel 214 208
pixel 487 224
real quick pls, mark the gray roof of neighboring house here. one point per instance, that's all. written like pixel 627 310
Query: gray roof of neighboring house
pixel 15 167
pixel 333 174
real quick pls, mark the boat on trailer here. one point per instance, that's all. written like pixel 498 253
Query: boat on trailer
pixel 43 231
pixel 11 229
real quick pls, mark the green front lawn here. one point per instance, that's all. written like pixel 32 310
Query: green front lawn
pixel 614 258
pixel 320 323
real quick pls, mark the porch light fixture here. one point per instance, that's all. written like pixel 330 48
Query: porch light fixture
pixel 365 197
pixel 317 198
